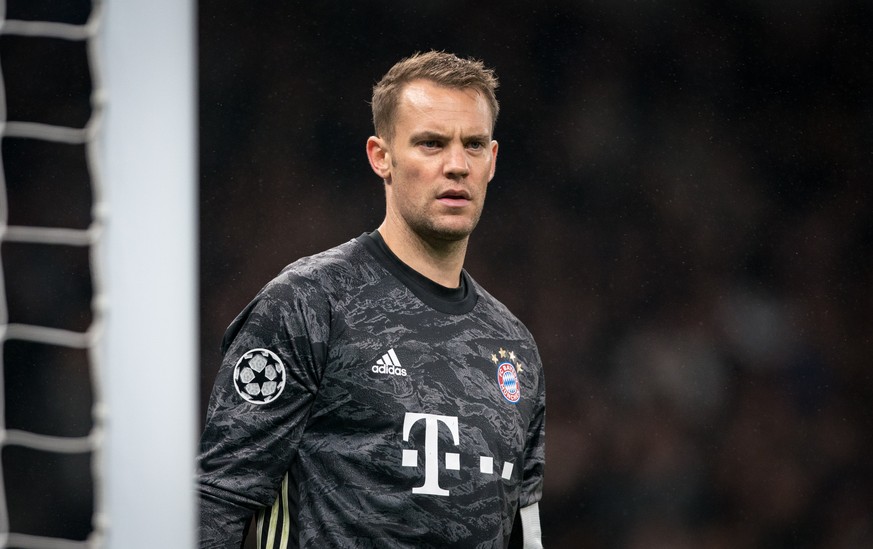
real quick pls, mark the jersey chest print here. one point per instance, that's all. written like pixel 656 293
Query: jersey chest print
pixel 437 445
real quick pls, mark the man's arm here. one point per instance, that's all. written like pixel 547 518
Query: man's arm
pixel 530 527
pixel 222 525
pixel 534 466
pixel 273 359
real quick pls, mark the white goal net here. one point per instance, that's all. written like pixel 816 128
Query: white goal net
pixel 97 274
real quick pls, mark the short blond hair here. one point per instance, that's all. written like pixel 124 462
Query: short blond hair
pixel 444 69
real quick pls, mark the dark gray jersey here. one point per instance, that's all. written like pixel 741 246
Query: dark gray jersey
pixel 361 405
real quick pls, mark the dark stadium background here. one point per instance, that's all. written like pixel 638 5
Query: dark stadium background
pixel 681 215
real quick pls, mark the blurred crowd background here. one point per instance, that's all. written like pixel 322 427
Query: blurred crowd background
pixel 682 215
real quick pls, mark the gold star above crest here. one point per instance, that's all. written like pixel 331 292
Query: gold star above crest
pixel 504 355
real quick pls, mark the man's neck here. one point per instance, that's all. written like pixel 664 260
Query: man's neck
pixel 440 261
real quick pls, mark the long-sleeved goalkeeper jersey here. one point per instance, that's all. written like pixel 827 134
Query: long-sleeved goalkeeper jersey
pixel 359 404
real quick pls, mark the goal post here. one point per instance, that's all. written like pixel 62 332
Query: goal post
pixel 98 274
pixel 148 146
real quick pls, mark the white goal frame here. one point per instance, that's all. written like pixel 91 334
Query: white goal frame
pixel 149 167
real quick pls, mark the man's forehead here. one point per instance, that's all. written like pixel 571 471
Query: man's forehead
pixel 422 90
pixel 425 100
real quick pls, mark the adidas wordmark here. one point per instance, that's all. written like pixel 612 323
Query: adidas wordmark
pixel 389 364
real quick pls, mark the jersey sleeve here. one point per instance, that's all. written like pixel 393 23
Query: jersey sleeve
pixel 253 429
pixel 535 446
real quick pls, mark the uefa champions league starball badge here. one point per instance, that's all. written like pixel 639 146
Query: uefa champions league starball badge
pixel 507 374
pixel 259 376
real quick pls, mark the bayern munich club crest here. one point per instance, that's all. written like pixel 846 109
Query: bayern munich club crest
pixel 507 375
pixel 259 376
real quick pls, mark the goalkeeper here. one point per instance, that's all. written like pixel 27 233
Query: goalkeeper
pixel 375 395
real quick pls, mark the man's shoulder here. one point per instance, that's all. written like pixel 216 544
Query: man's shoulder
pixel 318 276
pixel 308 284
pixel 497 310
pixel 325 264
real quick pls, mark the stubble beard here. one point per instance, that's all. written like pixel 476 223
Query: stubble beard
pixel 439 232
pixel 435 229
pixel 432 231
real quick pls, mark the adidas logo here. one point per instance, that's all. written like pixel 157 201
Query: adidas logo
pixel 388 364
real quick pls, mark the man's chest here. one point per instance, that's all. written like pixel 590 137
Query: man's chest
pixel 447 400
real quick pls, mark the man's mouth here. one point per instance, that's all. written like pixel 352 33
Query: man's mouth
pixel 454 197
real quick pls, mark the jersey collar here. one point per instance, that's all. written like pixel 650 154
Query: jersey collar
pixel 453 301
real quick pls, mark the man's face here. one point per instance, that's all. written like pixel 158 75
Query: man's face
pixel 439 162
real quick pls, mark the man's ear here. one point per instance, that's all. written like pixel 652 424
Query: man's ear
pixel 493 160
pixel 380 157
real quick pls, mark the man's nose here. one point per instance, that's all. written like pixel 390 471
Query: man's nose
pixel 457 164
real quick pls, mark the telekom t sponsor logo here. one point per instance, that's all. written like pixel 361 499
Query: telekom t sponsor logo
pixel 431 484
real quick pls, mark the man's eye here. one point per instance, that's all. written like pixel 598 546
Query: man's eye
pixel 476 145
pixel 430 144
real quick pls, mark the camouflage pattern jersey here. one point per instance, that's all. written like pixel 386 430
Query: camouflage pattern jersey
pixel 359 404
